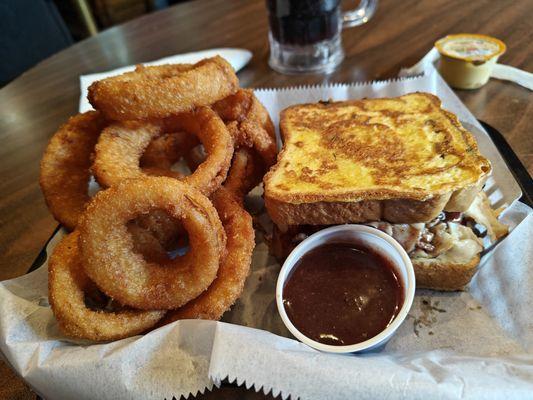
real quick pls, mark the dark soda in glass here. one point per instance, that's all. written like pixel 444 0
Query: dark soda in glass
pixel 304 22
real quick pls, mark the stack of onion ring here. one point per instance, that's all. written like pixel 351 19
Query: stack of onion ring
pixel 152 243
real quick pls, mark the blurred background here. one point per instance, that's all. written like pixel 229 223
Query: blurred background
pixel 32 30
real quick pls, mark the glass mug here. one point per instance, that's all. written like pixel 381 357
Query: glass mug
pixel 305 35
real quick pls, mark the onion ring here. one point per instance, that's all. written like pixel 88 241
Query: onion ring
pixel 249 122
pixel 195 157
pixel 65 167
pixel 146 244
pixel 164 90
pixel 234 269
pixel 107 248
pixel 163 152
pixel 121 145
pixel 155 234
pixel 67 286
pixel 245 172
pixel 162 226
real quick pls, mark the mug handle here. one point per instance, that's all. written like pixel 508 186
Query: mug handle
pixel 359 15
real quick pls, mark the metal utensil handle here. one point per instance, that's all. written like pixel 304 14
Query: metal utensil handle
pixel 359 15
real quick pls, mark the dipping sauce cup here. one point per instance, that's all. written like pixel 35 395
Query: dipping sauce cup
pixel 345 289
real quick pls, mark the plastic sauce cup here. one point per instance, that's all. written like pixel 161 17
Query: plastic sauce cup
pixel 358 234
pixel 467 59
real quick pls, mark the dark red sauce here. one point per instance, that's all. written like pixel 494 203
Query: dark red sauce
pixel 342 294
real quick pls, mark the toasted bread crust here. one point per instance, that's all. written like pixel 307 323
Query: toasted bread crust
pixel 328 213
pixel 297 193
pixel 461 199
pixel 432 273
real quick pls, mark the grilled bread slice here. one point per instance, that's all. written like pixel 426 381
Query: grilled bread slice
pixel 402 159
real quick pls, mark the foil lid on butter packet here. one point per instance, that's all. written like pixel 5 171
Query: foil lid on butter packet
pixel 469 47
pixel 467 60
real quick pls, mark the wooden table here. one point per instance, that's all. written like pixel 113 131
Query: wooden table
pixel 35 104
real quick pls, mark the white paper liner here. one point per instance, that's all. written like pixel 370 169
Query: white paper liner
pixel 474 344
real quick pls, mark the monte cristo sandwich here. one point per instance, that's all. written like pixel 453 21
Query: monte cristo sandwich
pixel 403 165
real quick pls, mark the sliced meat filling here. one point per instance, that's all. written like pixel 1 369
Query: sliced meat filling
pixel 408 235
pixel 425 239
pixel 451 234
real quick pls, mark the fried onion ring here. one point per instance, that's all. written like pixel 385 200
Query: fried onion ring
pixel 248 120
pixel 65 167
pixel 155 234
pixel 234 269
pixel 122 274
pixel 164 90
pixel 68 284
pixel 121 145
pixel 163 152
pixel 145 243
pixel 245 172
pixel 195 157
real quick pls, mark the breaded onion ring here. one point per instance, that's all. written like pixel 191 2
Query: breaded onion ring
pixel 249 122
pixel 245 172
pixel 65 167
pixel 154 234
pixel 119 149
pixel 234 269
pixel 146 244
pixel 164 90
pixel 162 226
pixel 195 157
pixel 68 283
pixel 107 248
pixel 163 152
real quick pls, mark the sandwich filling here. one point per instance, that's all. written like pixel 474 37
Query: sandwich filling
pixel 452 236
pixel 449 233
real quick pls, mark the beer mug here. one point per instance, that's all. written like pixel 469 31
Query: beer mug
pixel 305 35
